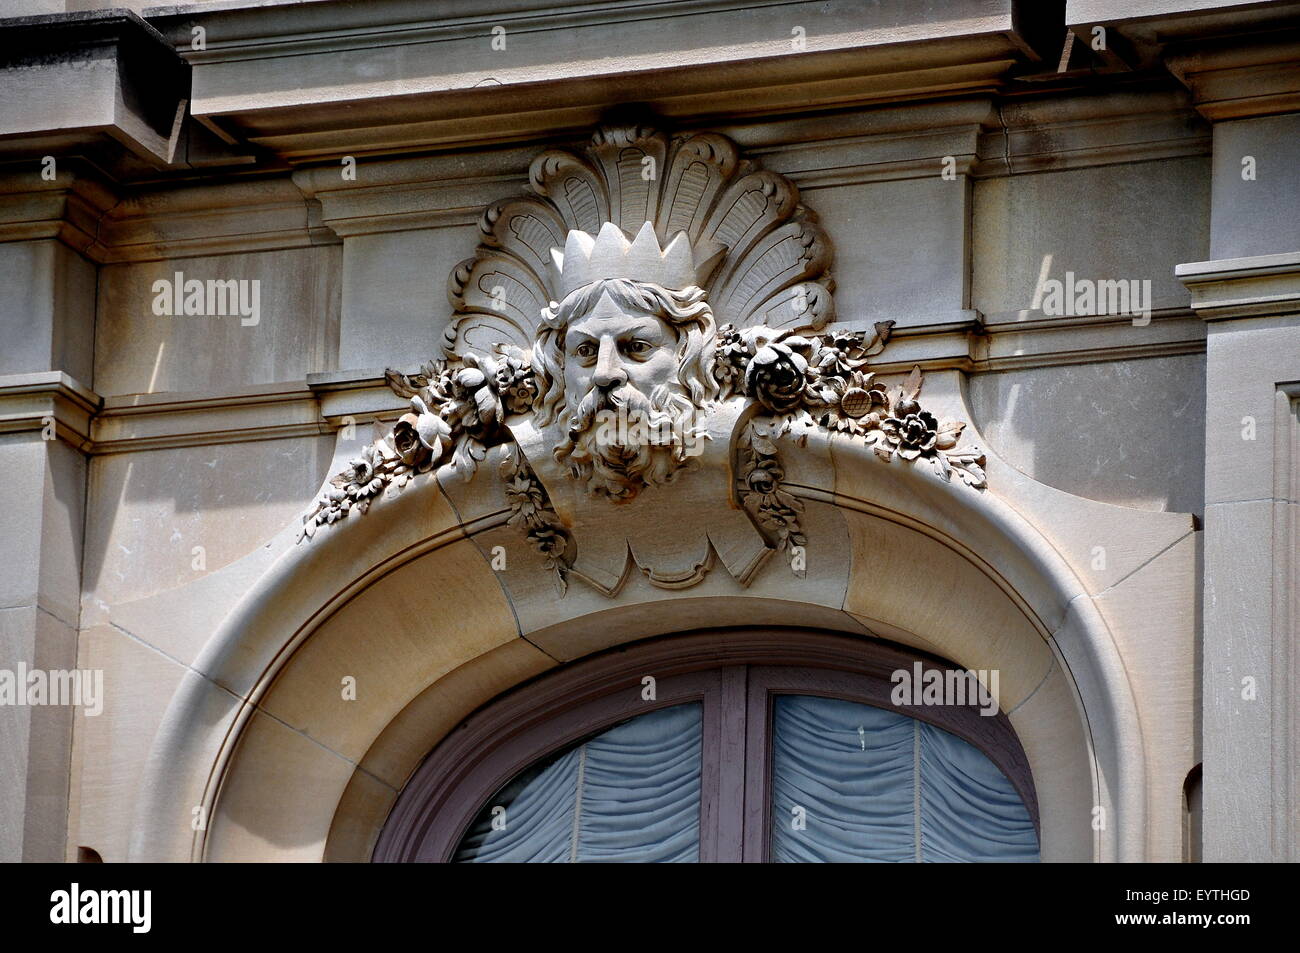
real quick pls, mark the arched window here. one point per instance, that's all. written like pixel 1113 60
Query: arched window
pixel 781 746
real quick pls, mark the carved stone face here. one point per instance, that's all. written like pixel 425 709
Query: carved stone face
pixel 623 368
pixel 612 347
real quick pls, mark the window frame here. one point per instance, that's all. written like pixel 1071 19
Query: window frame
pixel 734 674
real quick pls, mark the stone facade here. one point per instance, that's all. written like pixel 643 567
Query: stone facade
pixel 1001 364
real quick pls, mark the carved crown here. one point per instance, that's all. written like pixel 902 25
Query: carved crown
pixel 610 255
pixel 759 255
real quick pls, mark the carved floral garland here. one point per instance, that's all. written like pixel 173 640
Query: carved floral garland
pixel 822 378
pixel 458 411
pixel 530 509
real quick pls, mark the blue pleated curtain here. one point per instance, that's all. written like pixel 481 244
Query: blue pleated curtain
pixel 849 783
pixel 629 794
pixel 857 783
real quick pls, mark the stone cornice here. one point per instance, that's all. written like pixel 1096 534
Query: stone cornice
pixel 135 422
pixel 360 395
pixel 155 421
pixel 31 402
pixel 1243 287
pixel 110 224
pixel 104 73
pixel 1236 78
pixel 888 143
pixel 246 214
pixel 563 65
pixel 70 208
pixel 974 343
pixel 1058 131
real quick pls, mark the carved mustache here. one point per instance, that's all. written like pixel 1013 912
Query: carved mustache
pixel 600 398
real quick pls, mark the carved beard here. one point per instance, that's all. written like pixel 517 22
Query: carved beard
pixel 657 437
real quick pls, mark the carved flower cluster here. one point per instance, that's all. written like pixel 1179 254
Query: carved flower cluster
pixel 761 493
pixel 786 372
pixel 352 490
pixel 530 510
pixel 457 412
pixel 824 378
pixel 461 406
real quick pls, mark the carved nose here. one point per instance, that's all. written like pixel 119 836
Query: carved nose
pixel 609 370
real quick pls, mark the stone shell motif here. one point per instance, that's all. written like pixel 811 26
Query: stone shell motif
pixel 774 258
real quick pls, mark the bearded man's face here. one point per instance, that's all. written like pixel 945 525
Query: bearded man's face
pixel 610 349
pixel 628 422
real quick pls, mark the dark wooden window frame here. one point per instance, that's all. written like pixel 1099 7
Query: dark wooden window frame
pixel 736 674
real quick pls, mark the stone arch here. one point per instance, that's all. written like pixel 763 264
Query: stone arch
pixel 261 752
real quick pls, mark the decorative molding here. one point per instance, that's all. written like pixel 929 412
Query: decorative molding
pixel 633 379
pixel 314 205
pixel 32 402
pixel 1238 77
pixel 1029 339
pixel 1243 287
pixel 158 421
pixel 1054 133
pixel 362 395
pixel 109 225
pixel 1011 341
pixel 68 209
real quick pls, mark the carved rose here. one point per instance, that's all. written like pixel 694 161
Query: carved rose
pixel 548 541
pixel 766 475
pixel 731 359
pixel 421 438
pixel 514 381
pixel 362 476
pixel 777 378
pixel 910 434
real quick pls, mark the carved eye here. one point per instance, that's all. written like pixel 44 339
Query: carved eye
pixel 639 347
pixel 585 349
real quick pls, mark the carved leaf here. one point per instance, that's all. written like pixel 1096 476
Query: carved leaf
pixel 399 384
pixel 785 256
pixel 949 434
pixel 912 386
pixel 762 445
pixel 574 186
pixel 942 466
pixel 632 183
pixel 748 209
pixel 525 227
pixel 875 342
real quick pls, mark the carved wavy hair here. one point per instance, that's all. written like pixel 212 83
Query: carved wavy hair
pixel 686 310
